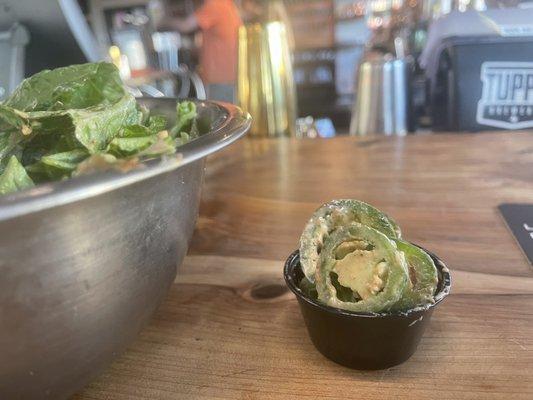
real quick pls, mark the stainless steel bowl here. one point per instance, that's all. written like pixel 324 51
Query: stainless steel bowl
pixel 85 262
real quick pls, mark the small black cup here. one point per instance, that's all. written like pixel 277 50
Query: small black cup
pixel 364 340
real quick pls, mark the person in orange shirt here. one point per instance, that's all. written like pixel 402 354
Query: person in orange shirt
pixel 219 21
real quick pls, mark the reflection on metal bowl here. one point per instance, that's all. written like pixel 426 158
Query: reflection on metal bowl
pixel 85 262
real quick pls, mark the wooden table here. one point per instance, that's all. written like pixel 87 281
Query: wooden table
pixel 229 329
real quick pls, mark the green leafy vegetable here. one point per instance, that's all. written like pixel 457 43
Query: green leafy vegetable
pixel 75 87
pixel 186 121
pixel 57 166
pixel 157 123
pixel 124 147
pixel 15 126
pixel 14 177
pixel 11 118
pixel 81 119
pixel 138 139
pixel 162 146
pixel 96 127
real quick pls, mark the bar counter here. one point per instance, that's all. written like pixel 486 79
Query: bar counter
pixel 230 329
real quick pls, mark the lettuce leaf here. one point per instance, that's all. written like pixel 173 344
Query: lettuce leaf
pixel 96 127
pixel 124 147
pixel 154 125
pixel 15 127
pixel 87 101
pixel 74 120
pixel 162 146
pixel 157 123
pixel 140 140
pixel 56 166
pixel 14 177
pixel 185 121
pixel 12 119
pixel 74 87
pixel 66 161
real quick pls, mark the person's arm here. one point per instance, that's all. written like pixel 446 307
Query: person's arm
pixel 183 25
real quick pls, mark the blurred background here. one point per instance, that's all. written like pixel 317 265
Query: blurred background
pixel 306 68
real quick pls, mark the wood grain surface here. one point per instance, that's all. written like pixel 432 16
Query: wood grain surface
pixel 229 329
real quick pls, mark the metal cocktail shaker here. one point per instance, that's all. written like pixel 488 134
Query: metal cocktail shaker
pixel 265 81
pixel 382 99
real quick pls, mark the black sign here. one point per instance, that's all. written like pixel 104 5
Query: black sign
pixel 507 96
pixel 519 219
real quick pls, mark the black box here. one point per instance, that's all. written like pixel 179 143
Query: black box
pixel 483 83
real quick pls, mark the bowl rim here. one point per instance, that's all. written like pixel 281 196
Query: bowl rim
pixel 445 282
pixel 233 125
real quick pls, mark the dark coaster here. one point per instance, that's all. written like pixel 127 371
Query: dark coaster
pixel 519 219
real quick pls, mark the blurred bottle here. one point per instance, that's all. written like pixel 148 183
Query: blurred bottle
pixel 265 84
pixel 121 62
pixel 382 102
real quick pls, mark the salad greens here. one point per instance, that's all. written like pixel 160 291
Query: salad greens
pixel 353 258
pixel 81 119
pixel 14 177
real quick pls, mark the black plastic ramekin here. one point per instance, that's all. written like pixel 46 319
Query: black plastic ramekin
pixel 364 341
